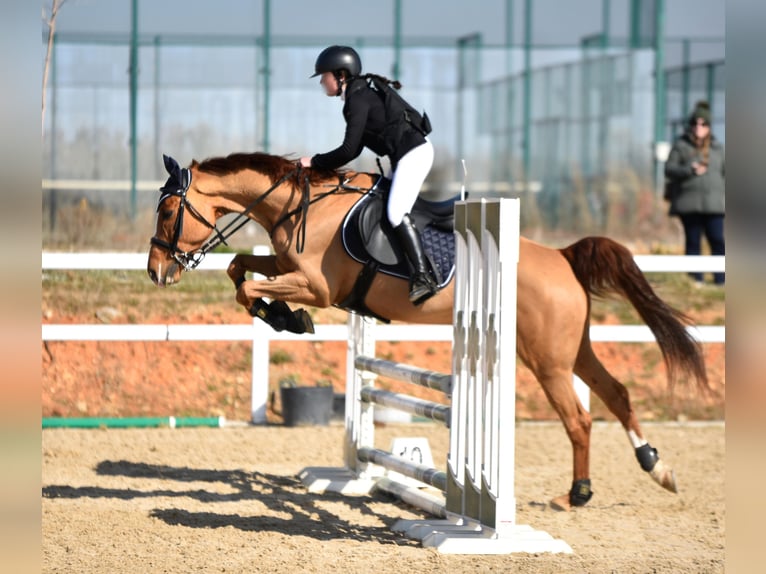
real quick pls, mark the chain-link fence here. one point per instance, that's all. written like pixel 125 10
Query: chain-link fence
pixel 570 128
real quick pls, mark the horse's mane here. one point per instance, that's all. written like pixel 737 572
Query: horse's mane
pixel 275 167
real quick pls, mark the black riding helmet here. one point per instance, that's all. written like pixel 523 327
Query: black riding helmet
pixel 336 58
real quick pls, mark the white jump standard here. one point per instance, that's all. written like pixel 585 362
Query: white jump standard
pixel 477 514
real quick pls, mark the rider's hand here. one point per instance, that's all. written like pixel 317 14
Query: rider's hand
pixel 305 162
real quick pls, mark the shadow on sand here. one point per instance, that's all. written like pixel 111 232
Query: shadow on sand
pixel 292 509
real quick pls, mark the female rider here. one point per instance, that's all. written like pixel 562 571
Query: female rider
pixel 405 143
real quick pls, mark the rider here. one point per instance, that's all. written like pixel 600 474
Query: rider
pixel 410 152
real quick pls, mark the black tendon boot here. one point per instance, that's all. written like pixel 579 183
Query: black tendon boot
pixel 422 284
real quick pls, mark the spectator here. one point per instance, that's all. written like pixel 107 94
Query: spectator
pixel 695 176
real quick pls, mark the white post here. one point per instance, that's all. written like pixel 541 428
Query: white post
pixel 259 387
pixel 259 393
pixel 360 427
pixel 474 387
pixel 500 250
pixel 458 395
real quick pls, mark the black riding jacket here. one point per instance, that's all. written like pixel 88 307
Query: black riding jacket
pixel 365 117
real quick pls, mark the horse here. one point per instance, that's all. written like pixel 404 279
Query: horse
pixel 302 209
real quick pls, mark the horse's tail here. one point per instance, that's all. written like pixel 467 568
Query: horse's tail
pixel 603 266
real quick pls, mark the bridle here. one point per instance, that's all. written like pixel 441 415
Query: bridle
pixel 178 184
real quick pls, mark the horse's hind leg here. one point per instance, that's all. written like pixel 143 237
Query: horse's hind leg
pixel 557 385
pixel 616 397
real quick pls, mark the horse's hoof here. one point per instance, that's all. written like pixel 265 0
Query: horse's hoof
pixel 664 476
pixel 581 492
pixel 561 503
pixel 303 322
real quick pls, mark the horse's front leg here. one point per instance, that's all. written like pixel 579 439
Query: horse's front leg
pixel 278 286
pixel 242 263
pixel 294 287
pixel 291 287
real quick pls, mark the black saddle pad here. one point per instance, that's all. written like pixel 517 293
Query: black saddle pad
pixel 367 235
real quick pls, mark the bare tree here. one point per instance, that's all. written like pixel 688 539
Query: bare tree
pixel 49 19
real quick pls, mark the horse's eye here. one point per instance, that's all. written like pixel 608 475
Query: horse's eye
pixel 167 214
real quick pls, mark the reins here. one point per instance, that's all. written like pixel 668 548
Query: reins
pixel 303 208
pixel 241 219
pixel 191 260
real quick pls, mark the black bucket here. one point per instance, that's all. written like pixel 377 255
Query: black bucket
pixel 306 406
pixel 339 407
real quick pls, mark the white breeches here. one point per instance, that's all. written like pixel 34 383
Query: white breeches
pixel 407 180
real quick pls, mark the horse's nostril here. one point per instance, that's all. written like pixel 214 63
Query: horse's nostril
pixel 153 275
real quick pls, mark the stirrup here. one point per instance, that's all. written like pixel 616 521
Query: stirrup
pixel 420 291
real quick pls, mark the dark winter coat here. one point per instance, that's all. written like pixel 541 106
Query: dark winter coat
pixel 690 193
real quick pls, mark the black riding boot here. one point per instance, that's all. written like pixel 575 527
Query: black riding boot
pixel 422 284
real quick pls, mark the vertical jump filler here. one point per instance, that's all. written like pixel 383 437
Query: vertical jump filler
pixel 477 513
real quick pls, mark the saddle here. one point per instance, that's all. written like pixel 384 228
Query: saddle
pixel 369 238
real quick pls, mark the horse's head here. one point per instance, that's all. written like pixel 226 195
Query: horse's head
pixel 185 219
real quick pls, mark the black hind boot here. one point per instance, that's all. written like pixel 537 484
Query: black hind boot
pixel 422 284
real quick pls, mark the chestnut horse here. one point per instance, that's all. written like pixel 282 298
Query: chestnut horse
pixel 302 210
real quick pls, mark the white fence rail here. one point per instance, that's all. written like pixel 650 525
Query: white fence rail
pixel 260 334
pixel 219 261
pixel 154 185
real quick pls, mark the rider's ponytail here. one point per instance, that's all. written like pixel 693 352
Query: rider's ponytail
pixel 393 83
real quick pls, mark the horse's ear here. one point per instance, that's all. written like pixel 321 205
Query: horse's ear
pixel 171 165
pixel 194 163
